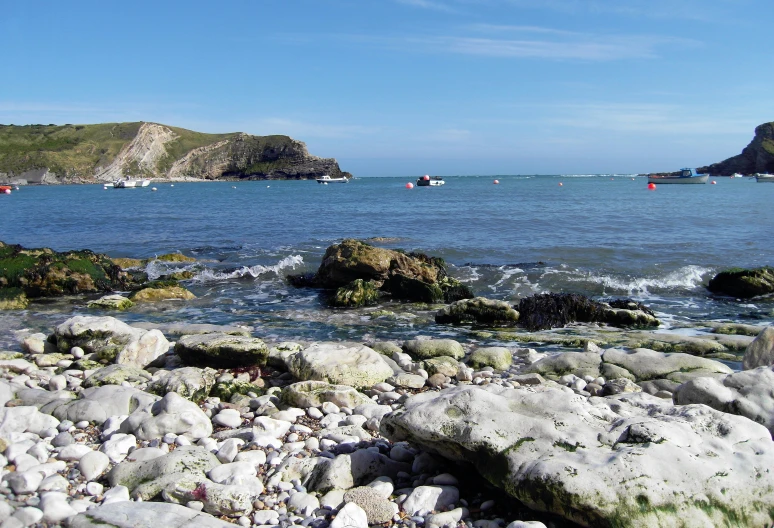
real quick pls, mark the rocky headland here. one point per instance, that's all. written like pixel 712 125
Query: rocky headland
pixel 103 423
pixel 757 156
pixel 52 154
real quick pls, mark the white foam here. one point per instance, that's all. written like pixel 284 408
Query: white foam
pixel 291 262
pixel 685 278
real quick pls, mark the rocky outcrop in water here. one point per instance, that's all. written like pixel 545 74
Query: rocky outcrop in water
pixel 758 156
pixel 106 152
pixel 743 283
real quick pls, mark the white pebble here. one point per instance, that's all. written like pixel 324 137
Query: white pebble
pixel 115 494
pixel 27 515
pixel 94 489
pixel 57 383
pixel 314 413
pixel 330 408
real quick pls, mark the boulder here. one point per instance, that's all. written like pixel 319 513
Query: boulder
pixel 747 393
pixel 743 283
pixel 221 350
pixel 760 353
pixel 171 414
pixel 356 293
pixel 13 299
pixel 97 404
pixel 163 292
pixel 647 364
pixel 578 363
pixel 111 302
pixel 555 310
pixel 116 375
pixel 499 358
pixel 430 348
pixel 127 514
pixel 446 365
pixel 112 340
pixel 305 394
pixel 354 365
pixel 478 310
pixel 192 383
pixel 628 460
pixel 149 478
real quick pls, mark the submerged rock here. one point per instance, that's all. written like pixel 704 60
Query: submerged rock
pixel 743 283
pixel 477 310
pixel 629 460
pixel 555 310
pixel 111 302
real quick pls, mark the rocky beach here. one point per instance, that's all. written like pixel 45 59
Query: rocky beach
pixel 561 412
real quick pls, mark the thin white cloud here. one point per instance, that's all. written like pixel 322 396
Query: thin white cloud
pixel 429 4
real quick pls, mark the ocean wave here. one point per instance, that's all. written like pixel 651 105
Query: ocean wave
pixel 290 262
pixel 684 278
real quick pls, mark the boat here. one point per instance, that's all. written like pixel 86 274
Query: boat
pixel 735 175
pixel 427 181
pixel 685 176
pixel 327 179
pixel 764 177
pixel 5 189
pixel 130 183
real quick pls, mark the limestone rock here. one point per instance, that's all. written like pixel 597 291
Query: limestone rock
pixel 499 358
pixel 578 363
pixel 145 515
pixel 647 364
pixel 162 293
pixel 116 375
pixel 305 394
pixel 446 365
pixel 171 414
pixel 221 350
pixel 192 383
pixel 629 460
pixel 760 353
pixel 430 348
pixel 111 302
pixel 97 404
pixel 353 365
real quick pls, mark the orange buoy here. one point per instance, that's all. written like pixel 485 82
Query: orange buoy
pixel 651 186
pixel 714 182
pixel 496 182
pixel 409 185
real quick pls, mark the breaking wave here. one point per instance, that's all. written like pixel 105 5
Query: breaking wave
pixel 290 262
pixel 684 278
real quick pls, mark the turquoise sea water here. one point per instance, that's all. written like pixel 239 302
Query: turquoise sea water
pixel 599 235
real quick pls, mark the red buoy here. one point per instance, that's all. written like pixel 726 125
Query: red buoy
pixel 560 184
pixel 425 177
pixel 409 185
pixel 714 182
pixel 651 186
pixel 496 182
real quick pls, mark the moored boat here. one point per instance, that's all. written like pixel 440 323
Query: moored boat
pixel 327 179
pixel 427 181
pixel 686 176
pixel 5 189
pixel 130 183
pixel 764 177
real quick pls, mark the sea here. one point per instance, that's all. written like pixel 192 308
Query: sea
pixel 604 236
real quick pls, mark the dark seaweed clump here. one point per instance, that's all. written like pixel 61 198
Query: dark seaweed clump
pixel 555 310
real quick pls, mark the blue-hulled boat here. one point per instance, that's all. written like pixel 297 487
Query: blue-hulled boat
pixel 685 176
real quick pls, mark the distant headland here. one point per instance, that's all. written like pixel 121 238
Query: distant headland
pixel 756 157
pixel 59 154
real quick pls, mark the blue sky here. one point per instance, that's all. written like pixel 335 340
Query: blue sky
pixel 406 87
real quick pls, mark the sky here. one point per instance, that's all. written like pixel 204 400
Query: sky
pixel 408 87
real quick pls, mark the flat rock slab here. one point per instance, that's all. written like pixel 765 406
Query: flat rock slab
pixel 305 394
pixel 627 460
pixel 127 514
pixel 353 365
pixel 647 364
pixel 221 350
pixel 578 363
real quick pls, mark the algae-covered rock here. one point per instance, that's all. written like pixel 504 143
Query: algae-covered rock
pixel 13 299
pixel 446 365
pixel 356 293
pixel 117 375
pixel 46 273
pixel 340 364
pixel 192 383
pixel 555 310
pixel 578 363
pixel 226 390
pixel 111 302
pixel 499 358
pixel 743 283
pixel 172 257
pixel 478 310
pixel 162 293
pixel 647 364
pixel 312 393
pixel 430 348
pixel 221 350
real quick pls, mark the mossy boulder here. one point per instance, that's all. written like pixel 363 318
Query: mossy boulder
pixel 499 358
pixel 221 350
pixel 226 390
pixel 162 293
pixel 446 365
pixel 192 383
pixel 356 293
pixel 111 302
pixel 13 299
pixel 405 276
pixel 312 393
pixel 578 363
pixel 430 348
pixel 126 263
pixel 172 257
pixel 478 310
pixel 117 375
pixel 743 283
pixel 46 273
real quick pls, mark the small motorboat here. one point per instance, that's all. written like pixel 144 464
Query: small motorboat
pixel 326 179
pixel 764 177
pixel 5 189
pixel 427 181
pixel 130 183
pixel 685 176
pixel 735 175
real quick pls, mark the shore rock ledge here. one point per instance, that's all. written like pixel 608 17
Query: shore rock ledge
pixel 630 460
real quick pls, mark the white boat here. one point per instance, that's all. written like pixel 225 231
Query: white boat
pixel 685 176
pixel 427 181
pixel 735 175
pixel 327 179
pixel 130 183
pixel 764 177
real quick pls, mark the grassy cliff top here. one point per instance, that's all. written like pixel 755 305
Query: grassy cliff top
pixel 78 149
